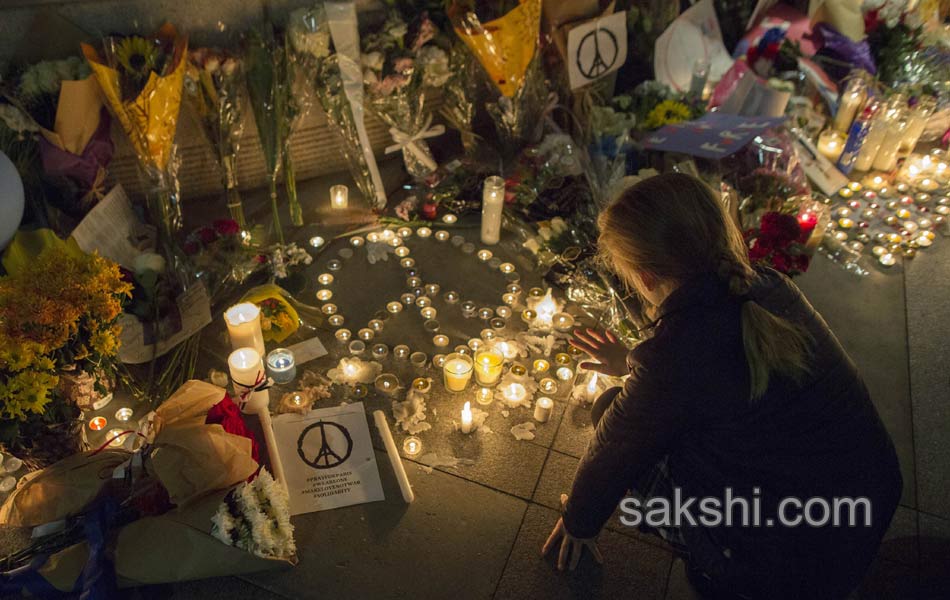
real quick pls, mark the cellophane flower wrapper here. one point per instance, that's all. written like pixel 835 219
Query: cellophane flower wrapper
pixel 458 97
pixel 279 317
pixel 197 465
pixel 214 86
pixel 400 61
pixel 270 74
pixel 771 185
pixel 63 97
pixel 148 116
pixel 609 142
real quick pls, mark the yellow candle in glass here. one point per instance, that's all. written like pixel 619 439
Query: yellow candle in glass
pixel 457 371
pixel 488 366
pixel 244 326
pixel 339 197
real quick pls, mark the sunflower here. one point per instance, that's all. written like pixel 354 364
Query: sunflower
pixel 667 113
pixel 137 57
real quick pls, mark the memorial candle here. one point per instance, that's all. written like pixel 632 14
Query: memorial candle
pixel 488 366
pixel 542 409
pixel 244 326
pixel 493 201
pixel 514 394
pixel 457 371
pixel 247 370
pixel 339 197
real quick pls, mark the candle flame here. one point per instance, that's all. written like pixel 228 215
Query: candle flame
pixel 546 307
pixel 467 407
pixel 592 384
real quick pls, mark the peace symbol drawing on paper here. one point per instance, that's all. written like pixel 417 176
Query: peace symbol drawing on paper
pixel 333 450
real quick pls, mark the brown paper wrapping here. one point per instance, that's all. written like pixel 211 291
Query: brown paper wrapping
pixel 77 115
pixel 176 546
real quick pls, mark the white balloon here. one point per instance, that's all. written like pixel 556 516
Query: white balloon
pixel 11 200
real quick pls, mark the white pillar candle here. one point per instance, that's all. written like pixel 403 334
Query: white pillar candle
pixel 886 158
pixel 493 202
pixel 246 369
pixel 871 145
pixel 339 197
pixel 244 326
pixel 542 409
pixel 467 421
pixel 847 107
pixel 394 459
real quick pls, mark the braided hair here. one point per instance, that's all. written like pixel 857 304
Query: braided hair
pixel 675 227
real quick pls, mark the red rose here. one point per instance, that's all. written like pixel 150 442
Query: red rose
pixel 429 210
pixel 260 259
pixel 226 226
pixel 191 247
pixel 779 228
pixel 206 235
pixel 780 262
pixel 758 251
pixel 801 262
pixel 226 414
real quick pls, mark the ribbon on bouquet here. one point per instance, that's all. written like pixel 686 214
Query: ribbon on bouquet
pixel 410 142
pixel 262 383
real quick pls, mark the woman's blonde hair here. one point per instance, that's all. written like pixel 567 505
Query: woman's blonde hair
pixel 674 227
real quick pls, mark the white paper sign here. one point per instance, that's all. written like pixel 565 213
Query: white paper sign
pixel 111 229
pixel 328 458
pixel 308 350
pixel 695 34
pixel 596 48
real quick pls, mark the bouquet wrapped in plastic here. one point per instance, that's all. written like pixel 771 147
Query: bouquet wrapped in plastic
pixel 142 79
pixel 505 46
pixel 398 65
pixel 214 86
pixel 191 502
pixel 74 144
pixel 279 95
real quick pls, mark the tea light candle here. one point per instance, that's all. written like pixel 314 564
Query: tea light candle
pixel 379 351
pixel 562 321
pixel 468 309
pixel 428 313
pixel 888 260
pixel 329 309
pixel 401 251
pixel 514 394
pixel 508 350
pixel 407 263
pixel 339 197
pixel 541 366
pixel 246 368
pixel 422 385
pixel 451 297
pixel 564 373
pixel 562 359
pixel 484 255
pixel 927 184
pixel 244 326
pixel 503 312
pixel 431 325
pixel 831 144
pixel 528 316
pixel 281 366
pixel 418 360
pixel 423 232
pixel 484 396
pixel 394 307
pixel 123 414
pixel 115 437
pixel 373 237
pixel 401 351
pixel 343 335
pixel 542 409
pixel 449 219
pixel 506 267
pixel 493 203
pixel 438 361
pixel 356 241
pixel 487 334
pixel 442 235
pixel 441 340
pixel 475 344
pixel 387 384
pixel 357 347
pixel 457 371
pixel 404 232
pixel 432 289
pixel 486 313
pixel 97 423
pixel 547 385
pixel 509 299
pixel 408 299
pixel 488 366
pixel 366 334
pixel 412 446
pixel 423 301
pixel 467 421
pixel 875 183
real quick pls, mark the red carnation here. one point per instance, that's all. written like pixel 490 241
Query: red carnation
pixel 226 414
pixel 429 210
pixel 780 262
pixel 226 227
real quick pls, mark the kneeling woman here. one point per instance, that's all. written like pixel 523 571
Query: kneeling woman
pixel 742 391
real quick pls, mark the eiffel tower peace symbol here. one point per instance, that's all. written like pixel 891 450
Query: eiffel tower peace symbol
pixel 334 449
pixel 597 52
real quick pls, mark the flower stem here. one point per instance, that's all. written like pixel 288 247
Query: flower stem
pixel 274 209
pixel 290 184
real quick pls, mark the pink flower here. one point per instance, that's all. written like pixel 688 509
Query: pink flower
pixel 403 65
pixel 427 31
pixel 388 85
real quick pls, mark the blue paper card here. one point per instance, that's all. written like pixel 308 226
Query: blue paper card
pixel 715 135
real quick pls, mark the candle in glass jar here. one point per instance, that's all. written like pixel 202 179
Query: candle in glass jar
pixel 542 409
pixel 339 197
pixel 831 144
pixel 247 371
pixel 457 371
pixel 541 366
pixel 484 395
pixel 851 100
pixel 387 384
pixel 488 366
pixel 244 326
pixel 493 201
pixel 467 420
pixel 281 366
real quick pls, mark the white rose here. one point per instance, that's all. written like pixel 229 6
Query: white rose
pixel 372 60
pixel 149 261
pixel 435 66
